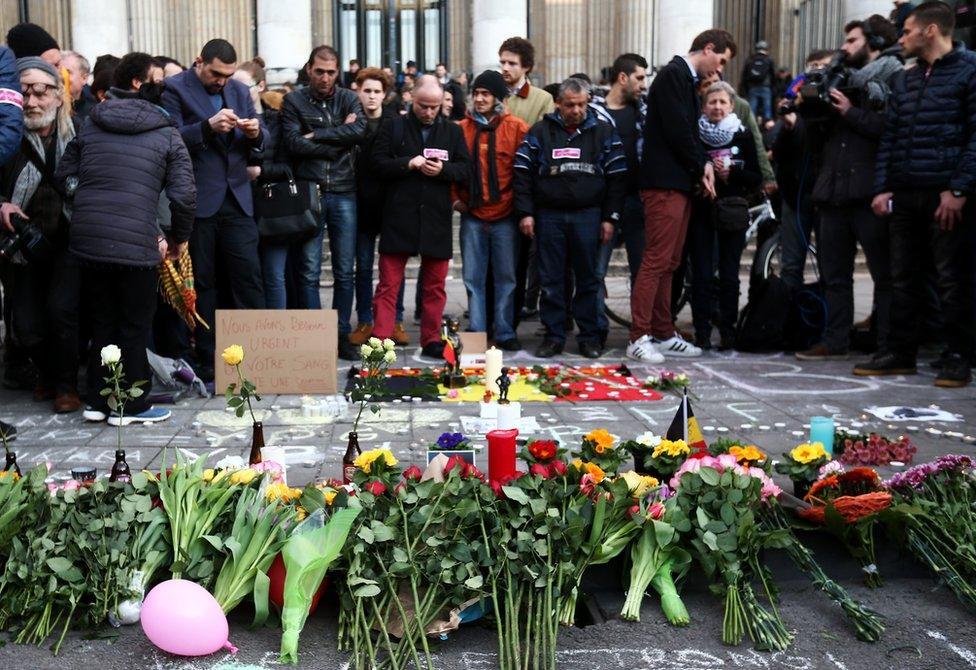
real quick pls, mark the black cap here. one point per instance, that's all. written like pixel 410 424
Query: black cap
pixel 491 81
pixel 29 39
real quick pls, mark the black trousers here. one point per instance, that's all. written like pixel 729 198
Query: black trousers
pixel 841 229
pixel 123 317
pixel 915 237
pixel 224 249
pixel 44 306
pixel 703 241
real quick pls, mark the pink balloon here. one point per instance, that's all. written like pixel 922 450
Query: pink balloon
pixel 182 618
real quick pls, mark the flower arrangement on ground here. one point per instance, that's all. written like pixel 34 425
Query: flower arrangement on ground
pixel 872 449
pixel 802 465
pixel 666 457
pixel 599 447
pixel 669 382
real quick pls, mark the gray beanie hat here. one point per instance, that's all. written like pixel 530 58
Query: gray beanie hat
pixel 38 63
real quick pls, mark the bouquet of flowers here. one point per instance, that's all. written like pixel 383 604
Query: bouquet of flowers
pixel 873 449
pixel 802 465
pixel 848 505
pixel 669 382
pixel 745 454
pixel 598 447
pixel 641 448
pixel 717 504
pixel 377 356
pixel 940 526
pixel 666 457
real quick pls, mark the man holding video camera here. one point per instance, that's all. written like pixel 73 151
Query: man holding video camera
pixel 856 88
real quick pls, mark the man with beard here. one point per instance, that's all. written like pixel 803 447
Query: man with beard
pixel 221 129
pixel 44 293
pixel 843 188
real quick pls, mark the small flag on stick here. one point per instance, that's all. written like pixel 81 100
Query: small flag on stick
pixel 685 426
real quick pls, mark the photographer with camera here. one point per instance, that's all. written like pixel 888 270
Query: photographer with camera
pixel 857 90
pixel 34 238
pixel 924 182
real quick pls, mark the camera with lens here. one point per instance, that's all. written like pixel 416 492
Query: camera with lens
pixel 813 101
pixel 26 238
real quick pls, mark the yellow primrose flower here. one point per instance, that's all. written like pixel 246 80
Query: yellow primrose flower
pixel 747 454
pixel 595 470
pixel 671 448
pixel 639 485
pixel 806 453
pixel 233 355
pixel 245 476
pixel 365 460
pixel 12 474
pixel 330 496
pixel 601 439
pixel 578 464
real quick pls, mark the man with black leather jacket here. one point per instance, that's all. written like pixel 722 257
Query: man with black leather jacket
pixel 320 126
pixel 848 144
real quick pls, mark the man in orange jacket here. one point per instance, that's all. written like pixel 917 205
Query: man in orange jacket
pixel 489 232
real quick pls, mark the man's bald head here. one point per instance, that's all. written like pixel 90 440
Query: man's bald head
pixel 428 94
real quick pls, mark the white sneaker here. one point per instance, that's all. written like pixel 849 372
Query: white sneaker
pixel 678 347
pixel 151 415
pixel 642 349
pixel 93 415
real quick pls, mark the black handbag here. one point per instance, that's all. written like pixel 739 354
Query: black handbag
pixel 287 211
pixel 731 214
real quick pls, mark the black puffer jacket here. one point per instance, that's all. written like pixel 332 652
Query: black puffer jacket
pixel 125 155
pixel 929 140
pixel 326 158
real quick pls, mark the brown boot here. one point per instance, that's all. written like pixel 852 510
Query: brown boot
pixel 400 335
pixel 361 334
pixel 67 402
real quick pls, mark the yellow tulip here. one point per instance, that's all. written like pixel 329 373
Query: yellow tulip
pixel 233 355
pixel 245 476
pixel 208 475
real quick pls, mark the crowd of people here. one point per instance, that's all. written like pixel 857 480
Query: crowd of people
pixel 108 170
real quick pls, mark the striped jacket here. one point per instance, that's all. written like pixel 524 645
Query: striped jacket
pixel 599 106
pixel 556 169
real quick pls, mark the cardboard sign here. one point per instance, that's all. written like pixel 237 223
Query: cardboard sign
pixel 567 152
pixel 474 347
pixel 286 351
pixel 439 154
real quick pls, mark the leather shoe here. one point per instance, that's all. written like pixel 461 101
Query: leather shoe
pixel 509 345
pixel 67 402
pixel 590 349
pixel 348 351
pixel 548 349
pixel 433 350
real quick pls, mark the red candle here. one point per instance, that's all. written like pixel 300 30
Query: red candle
pixel 501 453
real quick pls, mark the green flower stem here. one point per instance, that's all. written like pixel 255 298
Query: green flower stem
pixel 671 603
pixel 247 395
pixel 386 635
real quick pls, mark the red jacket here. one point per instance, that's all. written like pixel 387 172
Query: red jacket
pixel 509 131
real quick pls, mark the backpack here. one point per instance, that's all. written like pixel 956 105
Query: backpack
pixel 763 320
pixel 758 70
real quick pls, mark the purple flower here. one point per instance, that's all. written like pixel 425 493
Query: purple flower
pixel 450 440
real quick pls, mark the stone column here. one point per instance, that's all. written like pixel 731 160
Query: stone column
pixel 677 25
pixel 492 22
pixel 99 27
pixel 284 36
pixel 862 9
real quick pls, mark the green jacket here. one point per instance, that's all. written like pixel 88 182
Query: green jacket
pixel 744 112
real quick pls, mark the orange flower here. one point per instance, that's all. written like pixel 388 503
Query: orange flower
pixel 594 470
pixel 601 439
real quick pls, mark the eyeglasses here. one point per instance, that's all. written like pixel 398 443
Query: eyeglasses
pixel 38 90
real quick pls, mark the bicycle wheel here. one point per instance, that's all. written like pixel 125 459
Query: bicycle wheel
pixel 616 300
pixel 767 259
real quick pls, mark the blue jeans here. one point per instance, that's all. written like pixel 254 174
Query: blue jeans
pixel 793 253
pixel 365 255
pixel 497 241
pixel 339 217
pixel 568 238
pixel 631 230
pixel 274 259
pixel 761 101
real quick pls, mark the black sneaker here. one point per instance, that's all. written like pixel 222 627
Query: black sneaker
pixel 509 345
pixel 955 372
pixel 8 431
pixel 703 342
pixel 883 364
pixel 528 313
pixel 548 349
pixel 348 351
pixel 433 350
pixel 590 349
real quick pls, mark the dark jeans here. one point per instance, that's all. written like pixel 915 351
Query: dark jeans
pixel 170 333
pixel 841 229
pixel 568 239
pixel 228 240
pixel 794 236
pixel 702 239
pixel 44 305
pixel 125 321
pixel 914 234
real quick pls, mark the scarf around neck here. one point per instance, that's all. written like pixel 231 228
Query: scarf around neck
pixel 483 125
pixel 721 133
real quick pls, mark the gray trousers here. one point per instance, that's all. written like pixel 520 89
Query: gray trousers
pixel 841 229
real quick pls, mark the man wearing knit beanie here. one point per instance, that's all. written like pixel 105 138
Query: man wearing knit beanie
pixel 29 39
pixel 489 232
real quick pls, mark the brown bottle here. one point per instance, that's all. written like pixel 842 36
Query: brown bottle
pixel 348 464
pixel 120 469
pixel 257 443
pixel 12 463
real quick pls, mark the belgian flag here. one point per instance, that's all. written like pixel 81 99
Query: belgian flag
pixel 685 426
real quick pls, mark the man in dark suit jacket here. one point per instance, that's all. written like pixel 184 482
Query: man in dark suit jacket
pixel 222 131
pixel 419 155
pixel 673 165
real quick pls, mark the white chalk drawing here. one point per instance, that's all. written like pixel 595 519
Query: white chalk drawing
pixel 475 425
pixel 961 652
pixel 781 371
pixel 749 410
pixel 902 413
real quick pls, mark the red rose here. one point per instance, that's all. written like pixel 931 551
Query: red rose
pixel 539 470
pixel 657 511
pixel 558 468
pixel 376 487
pixel 633 511
pixel 399 488
pixel 543 450
pixel 496 486
pixel 475 472
pixel 412 474
pixel 456 462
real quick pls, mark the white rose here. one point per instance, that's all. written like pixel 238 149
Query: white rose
pixel 649 439
pixel 375 343
pixel 111 355
pixel 389 344
pixel 390 357
pixel 365 350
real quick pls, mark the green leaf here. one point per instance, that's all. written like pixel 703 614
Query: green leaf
pixel 727 514
pixel 474 582
pixel 710 540
pixel 515 494
pixel 710 476
pixel 367 536
pixel 367 591
pixel 59 565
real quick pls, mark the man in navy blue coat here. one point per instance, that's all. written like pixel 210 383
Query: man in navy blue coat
pixel 219 125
